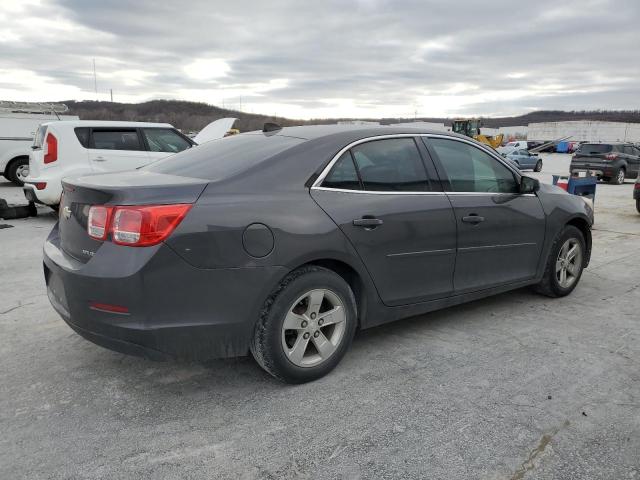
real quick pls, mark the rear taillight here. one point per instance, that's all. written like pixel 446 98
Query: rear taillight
pixel 40 185
pixel 51 152
pixel 611 156
pixel 636 186
pixel 98 222
pixel 135 226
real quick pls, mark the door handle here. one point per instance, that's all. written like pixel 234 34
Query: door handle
pixel 473 218
pixel 99 159
pixel 367 222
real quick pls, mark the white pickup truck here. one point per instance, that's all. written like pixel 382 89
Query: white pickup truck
pixel 18 125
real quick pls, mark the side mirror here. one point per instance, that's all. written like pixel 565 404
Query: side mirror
pixel 529 185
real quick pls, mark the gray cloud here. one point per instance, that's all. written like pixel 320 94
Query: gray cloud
pixel 364 58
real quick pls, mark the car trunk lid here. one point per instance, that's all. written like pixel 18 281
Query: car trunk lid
pixel 125 188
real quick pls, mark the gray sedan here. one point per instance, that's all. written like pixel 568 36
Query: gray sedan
pixel 523 160
pixel 284 242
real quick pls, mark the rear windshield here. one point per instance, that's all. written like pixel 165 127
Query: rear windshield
pixel 38 140
pixel 594 148
pixel 223 158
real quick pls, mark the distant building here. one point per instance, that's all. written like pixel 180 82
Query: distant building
pixel 427 125
pixel 357 122
pixel 584 131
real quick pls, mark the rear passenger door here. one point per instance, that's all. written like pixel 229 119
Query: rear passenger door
pixel 115 149
pixel 381 194
pixel 500 231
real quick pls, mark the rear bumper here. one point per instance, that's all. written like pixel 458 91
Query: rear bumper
pixel 600 169
pixel 50 195
pixel 174 309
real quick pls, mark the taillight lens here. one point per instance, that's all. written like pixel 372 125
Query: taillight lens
pixel 98 222
pixel 51 152
pixel 135 226
pixel 611 156
pixel 636 186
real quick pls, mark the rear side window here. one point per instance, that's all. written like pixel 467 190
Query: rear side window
pixel 343 174
pixel 470 169
pixel 164 140
pixel 83 136
pixel 223 158
pixel 116 139
pixel 391 165
pixel 594 148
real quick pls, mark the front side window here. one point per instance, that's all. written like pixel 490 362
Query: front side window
pixel 116 140
pixel 470 169
pixel 164 140
pixel 343 175
pixel 390 165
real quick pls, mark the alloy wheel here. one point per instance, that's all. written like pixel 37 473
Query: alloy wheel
pixel 620 178
pixel 313 328
pixel 569 263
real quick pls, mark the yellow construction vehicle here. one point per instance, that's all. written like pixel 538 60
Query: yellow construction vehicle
pixel 471 128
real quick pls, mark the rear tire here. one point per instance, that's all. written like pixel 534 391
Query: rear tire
pixel 538 166
pixel 15 169
pixel 638 205
pixel 554 283
pixel 306 325
pixel 618 178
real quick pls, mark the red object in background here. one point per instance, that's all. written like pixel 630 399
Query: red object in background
pixel 563 183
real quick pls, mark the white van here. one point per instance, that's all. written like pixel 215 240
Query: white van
pixel 19 122
pixel 71 148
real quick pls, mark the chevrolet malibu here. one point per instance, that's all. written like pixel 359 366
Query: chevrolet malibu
pixel 284 242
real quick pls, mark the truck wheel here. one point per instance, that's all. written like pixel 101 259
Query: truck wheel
pixel 638 205
pixel 18 170
pixel 538 166
pixel 564 264
pixel 306 325
pixel 618 179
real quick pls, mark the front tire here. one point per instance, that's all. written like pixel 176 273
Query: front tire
pixel 538 166
pixel 306 325
pixel 564 264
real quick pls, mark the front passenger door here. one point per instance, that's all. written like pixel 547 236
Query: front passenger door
pixel 500 231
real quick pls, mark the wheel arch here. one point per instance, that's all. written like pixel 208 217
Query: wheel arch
pixel 351 275
pixel 13 160
pixel 584 227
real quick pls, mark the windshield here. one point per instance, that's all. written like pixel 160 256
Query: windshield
pixel 223 158
pixel 590 148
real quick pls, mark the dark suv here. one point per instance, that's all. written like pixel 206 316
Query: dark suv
pixel 612 162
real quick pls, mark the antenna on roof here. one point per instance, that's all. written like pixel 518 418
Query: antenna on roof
pixel 271 127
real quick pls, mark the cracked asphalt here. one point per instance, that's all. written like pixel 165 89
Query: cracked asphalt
pixel 516 386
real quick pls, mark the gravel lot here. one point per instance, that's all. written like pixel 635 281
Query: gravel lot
pixel 510 387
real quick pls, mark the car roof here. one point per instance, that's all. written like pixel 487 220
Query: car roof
pixel 312 132
pixel 106 123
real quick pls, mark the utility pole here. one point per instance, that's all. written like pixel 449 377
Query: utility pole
pixel 111 93
pixel 95 81
pixel 240 102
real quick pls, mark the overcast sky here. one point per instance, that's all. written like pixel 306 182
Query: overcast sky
pixel 304 59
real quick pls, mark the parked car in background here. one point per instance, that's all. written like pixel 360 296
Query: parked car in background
pixel 523 160
pixel 612 162
pixel 636 193
pixel 19 122
pixel 293 238
pixel 513 146
pixel 82 147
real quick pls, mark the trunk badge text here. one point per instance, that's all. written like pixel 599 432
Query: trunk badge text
pixel 66 213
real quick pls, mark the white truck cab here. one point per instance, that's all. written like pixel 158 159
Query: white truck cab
pixel 19 122
pixel 83 147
